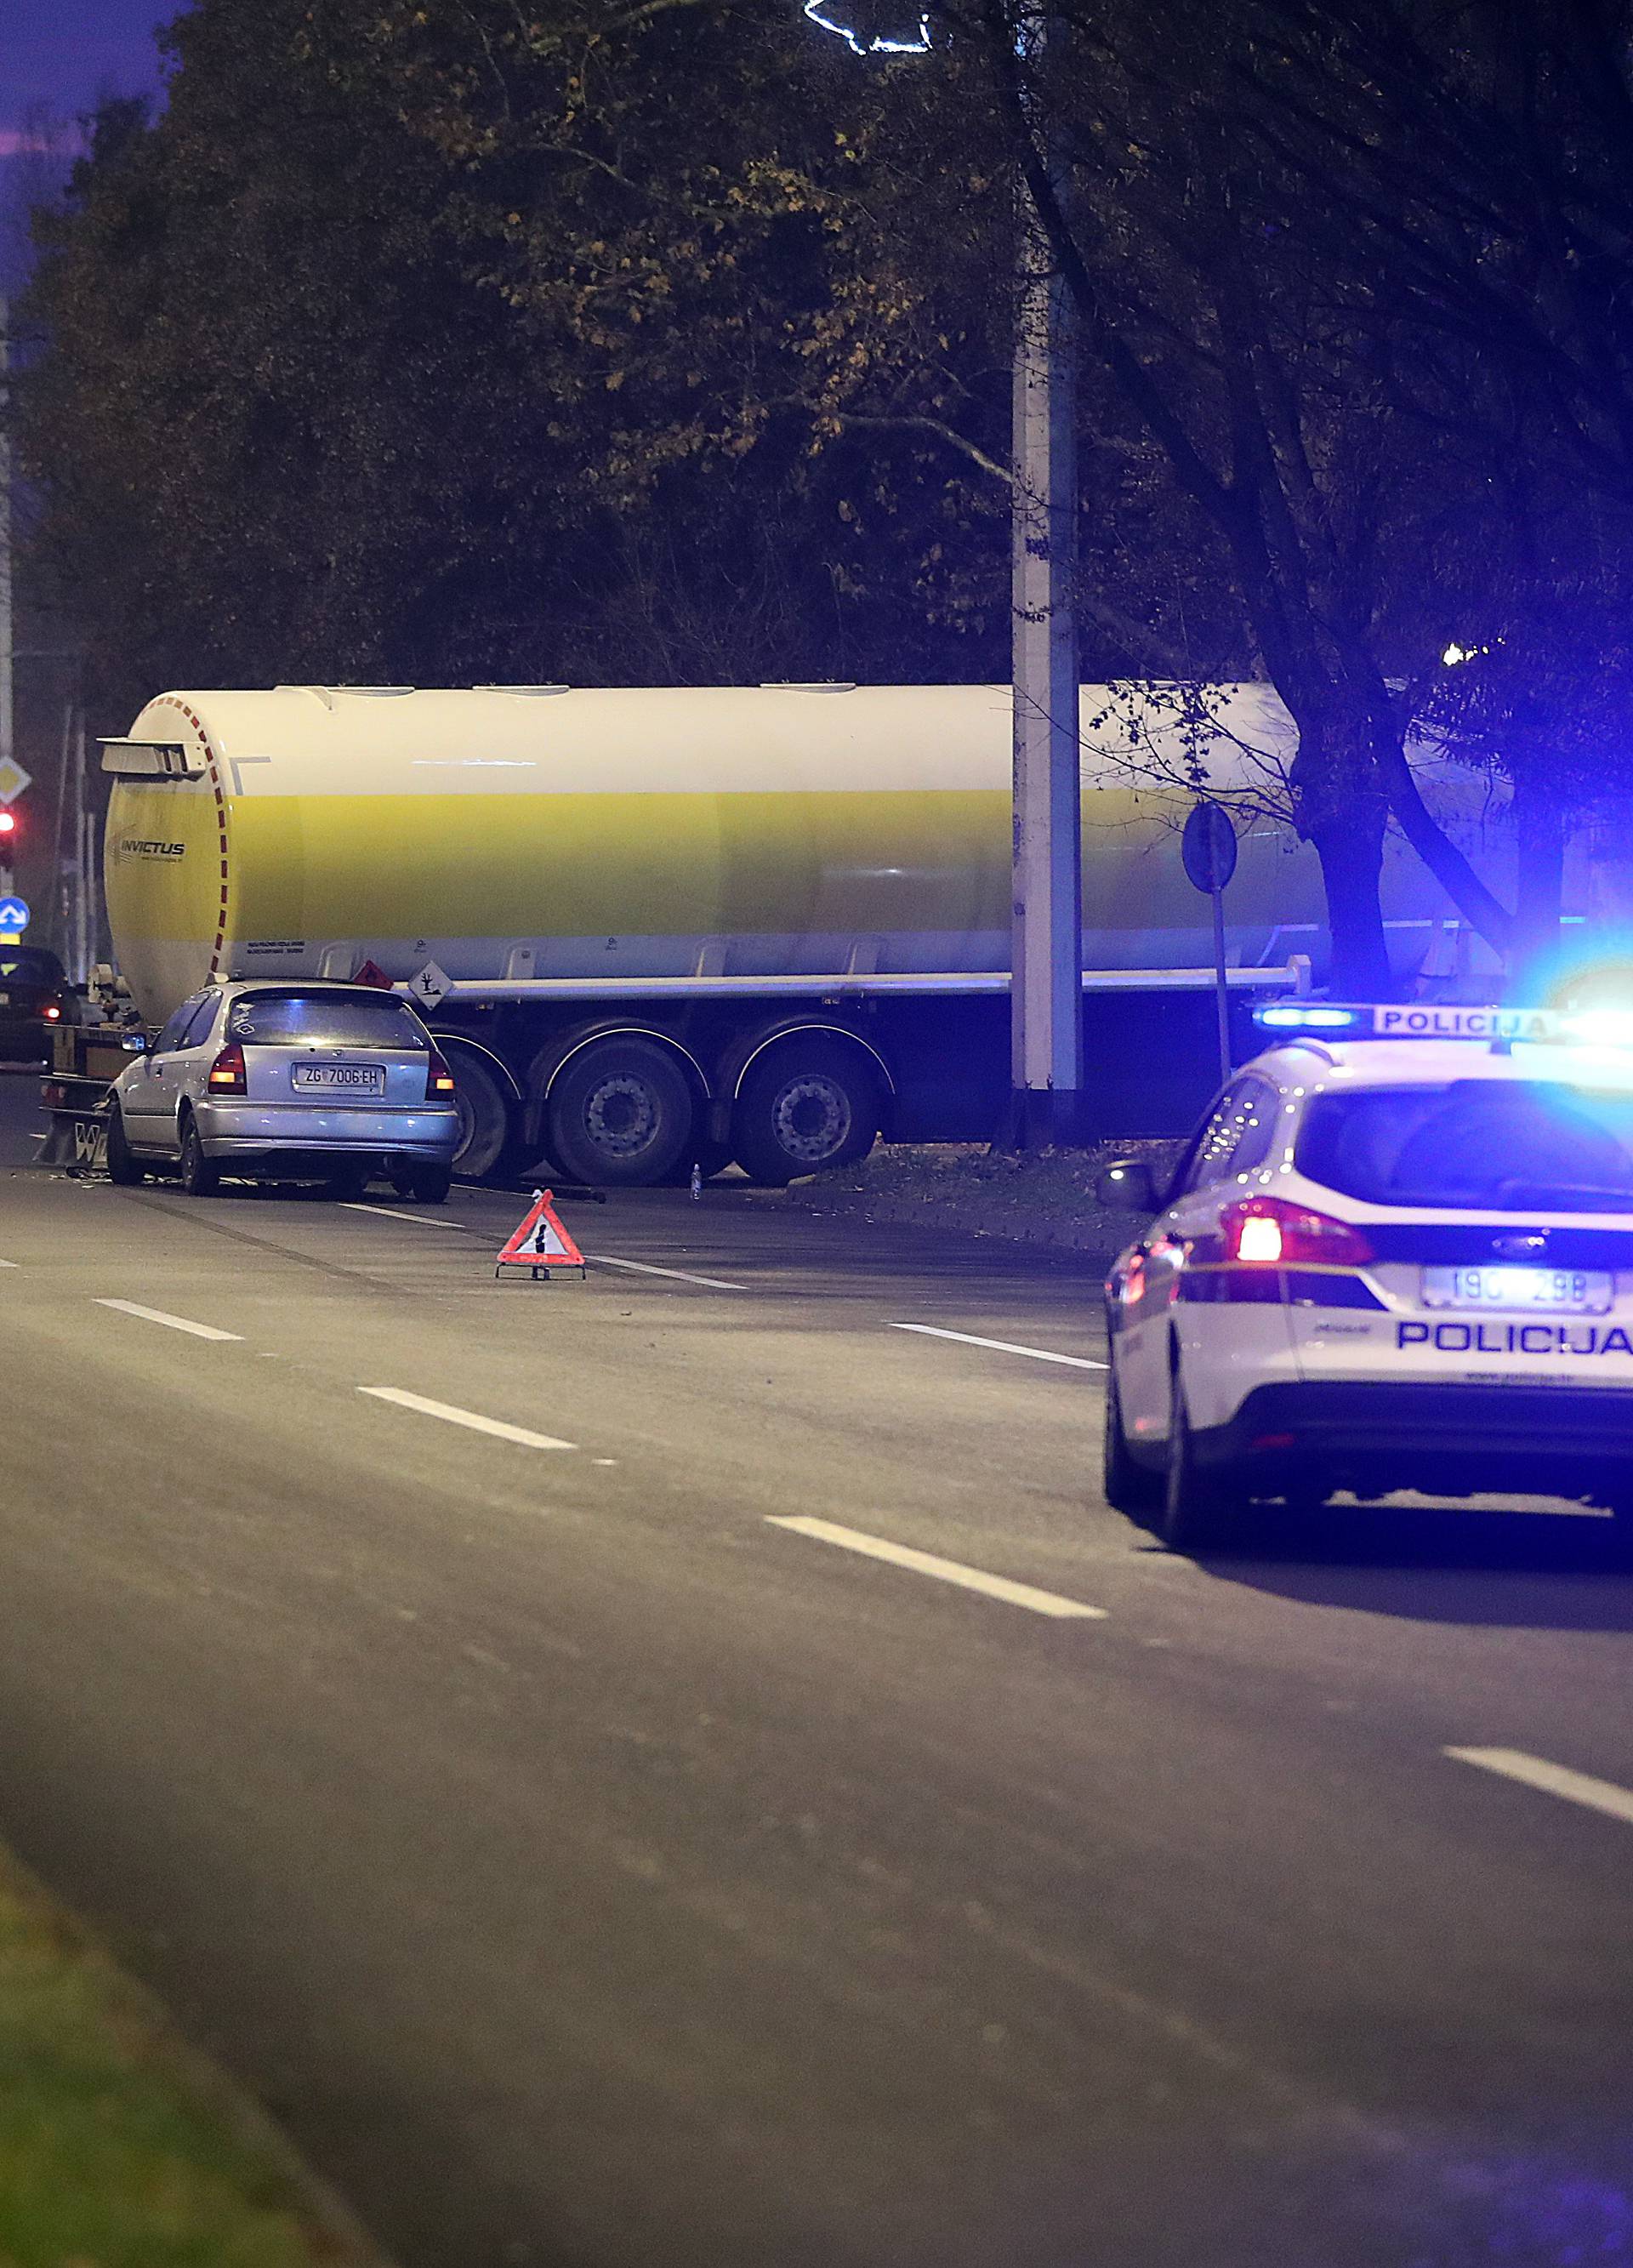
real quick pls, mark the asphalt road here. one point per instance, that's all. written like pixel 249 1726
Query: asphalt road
pixel 588 1869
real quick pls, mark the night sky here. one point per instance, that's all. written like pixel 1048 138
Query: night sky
pixel 59 58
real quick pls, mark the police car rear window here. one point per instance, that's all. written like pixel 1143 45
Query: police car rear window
pixel 362 1019
pixel 1490 1146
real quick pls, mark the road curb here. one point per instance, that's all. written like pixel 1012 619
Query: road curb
pixel 147 2034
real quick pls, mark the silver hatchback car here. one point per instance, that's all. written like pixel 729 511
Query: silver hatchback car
pixel 288 1082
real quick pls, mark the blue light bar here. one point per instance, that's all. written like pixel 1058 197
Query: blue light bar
pixel 1284 1018
pixel 1596 1027
pixel 1599 1027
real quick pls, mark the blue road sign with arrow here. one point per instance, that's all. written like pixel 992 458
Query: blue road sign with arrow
pixel 13 913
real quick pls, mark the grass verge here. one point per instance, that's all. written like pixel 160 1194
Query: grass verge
pixel 1042 1198
pixel 121 2146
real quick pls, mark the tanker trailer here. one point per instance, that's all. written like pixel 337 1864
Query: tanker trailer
pixel 656 927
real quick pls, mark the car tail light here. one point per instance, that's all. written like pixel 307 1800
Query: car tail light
pixel 438 1077
pixel 1269 1233
pixel 52 1014
pixel 226 1073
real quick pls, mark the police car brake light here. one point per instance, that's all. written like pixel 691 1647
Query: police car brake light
pixel 1269 1233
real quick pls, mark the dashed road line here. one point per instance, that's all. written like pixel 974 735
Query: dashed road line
pixel 389 1213
pixel 497 1426
pixel 171 1322
pixel 680 1275
pixel 1553 1779
pixel 1001 1346
pixel 944 1571
pixel 9 1263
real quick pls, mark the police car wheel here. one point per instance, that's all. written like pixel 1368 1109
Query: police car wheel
pixel 1128 1488
pixel 1199 1506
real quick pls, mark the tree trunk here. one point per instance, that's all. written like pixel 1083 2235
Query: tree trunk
pixel 1351 848
pixel 1540 882
pixel 1483 911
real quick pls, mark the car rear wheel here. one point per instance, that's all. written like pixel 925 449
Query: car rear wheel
pixel 1201 1506
pixel 200 1178
pixel 805 1105
pixel 430 1184
pixel 1128 1488
pixel 122 1169
pixel 621 1114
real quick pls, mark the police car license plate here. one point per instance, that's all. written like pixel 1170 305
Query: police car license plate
pixel 1567 1291
pixel 353 1078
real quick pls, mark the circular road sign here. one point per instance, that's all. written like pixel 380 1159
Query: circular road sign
pixel 1208 847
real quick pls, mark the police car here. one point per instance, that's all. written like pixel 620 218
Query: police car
pixel 1397 1254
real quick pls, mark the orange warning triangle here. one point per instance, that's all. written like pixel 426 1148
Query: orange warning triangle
pixel 540 1241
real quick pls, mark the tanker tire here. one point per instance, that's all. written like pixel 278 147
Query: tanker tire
pixel 806 1107
pixel 200 1177
pixel 620 1116
pixel 489 1144
pixel 122 1169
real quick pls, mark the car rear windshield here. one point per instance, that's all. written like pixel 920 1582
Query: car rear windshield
pixel 29 964
pixel 1480 1145
pixel 347 1019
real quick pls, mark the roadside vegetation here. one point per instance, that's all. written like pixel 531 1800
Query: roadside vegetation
pixel 120 2147
pixel 1045 1197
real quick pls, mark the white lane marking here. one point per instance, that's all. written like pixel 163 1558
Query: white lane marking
pixel 9 1263
pixel 946 1571
pixel 645 1268
pixel 1554 1779
pixel 1002 1346
pixel 455 1416
pixel 171 1322
pixel 389 1213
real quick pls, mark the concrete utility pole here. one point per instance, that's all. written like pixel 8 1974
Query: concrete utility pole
pixel 1046 1029
pixel 1046 1044
pixel 1046 1012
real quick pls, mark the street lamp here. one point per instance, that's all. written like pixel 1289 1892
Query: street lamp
pixel 1046 994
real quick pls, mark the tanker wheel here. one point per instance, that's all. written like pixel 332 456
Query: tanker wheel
pixel 489 1144
pixel 621 1114
pixel 805 1105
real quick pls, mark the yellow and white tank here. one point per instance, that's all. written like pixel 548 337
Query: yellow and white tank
pixel 539 832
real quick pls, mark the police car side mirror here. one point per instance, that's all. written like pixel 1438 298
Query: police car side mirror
pixel 1129 1184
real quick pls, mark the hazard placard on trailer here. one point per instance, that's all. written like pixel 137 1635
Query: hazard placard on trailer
pixel 540 1243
